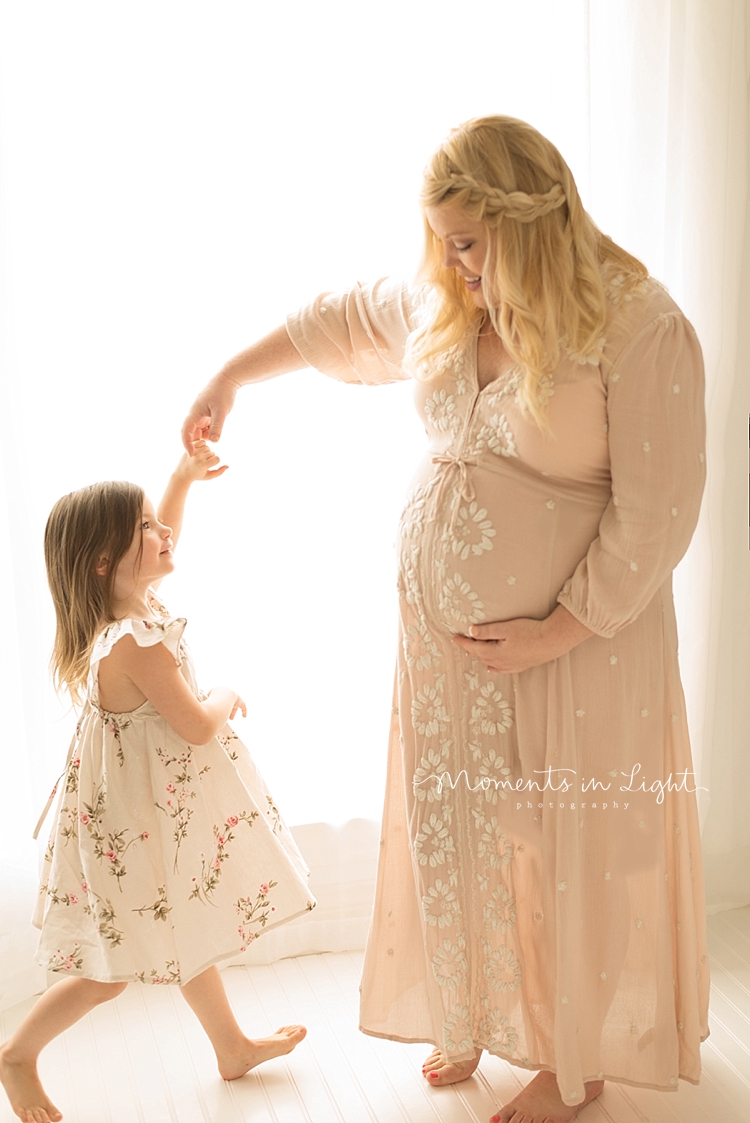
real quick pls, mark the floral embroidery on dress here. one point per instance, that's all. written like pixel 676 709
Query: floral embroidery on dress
pixel 496 435
pixel 454 360
pixel 494 847
pixel 434 842
pixel 619 286
pixel 490 713
pixel 449 963
pixel 440 904
pixel 432 765
pixel 441 412
pixel 500 967
pixel 472 531
pixel 420 649
pixel 428 713
pixel 460 604
pixel 499 911
pixel 457 1034
pixel 497 1033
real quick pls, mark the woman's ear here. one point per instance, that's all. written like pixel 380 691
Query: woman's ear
pixel 101 568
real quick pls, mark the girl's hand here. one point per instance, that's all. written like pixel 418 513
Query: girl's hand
pixel 516 645
pixel 201 465
pixel 238 705
pixel 209 411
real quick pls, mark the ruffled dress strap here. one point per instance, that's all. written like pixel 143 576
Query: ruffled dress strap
pixel 146 633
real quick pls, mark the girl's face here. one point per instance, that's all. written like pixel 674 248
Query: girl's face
pixel 149 557
pixel 465 242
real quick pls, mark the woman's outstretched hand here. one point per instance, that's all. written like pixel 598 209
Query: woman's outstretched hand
pixel 209 411
pixel 513 646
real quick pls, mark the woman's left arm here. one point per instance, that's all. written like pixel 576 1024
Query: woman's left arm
pixel 201 466
pixel 656 419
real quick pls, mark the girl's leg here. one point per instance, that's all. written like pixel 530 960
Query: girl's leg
pixel 235 1053
pixel 58 1008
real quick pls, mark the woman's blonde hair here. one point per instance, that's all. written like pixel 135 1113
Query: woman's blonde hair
pixel 542 279
pixel 83 528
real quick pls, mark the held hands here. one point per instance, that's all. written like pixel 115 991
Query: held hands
pixel 513 646
pixel 209 412
pixel 201 465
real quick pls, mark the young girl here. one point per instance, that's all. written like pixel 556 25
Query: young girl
pixel 168 854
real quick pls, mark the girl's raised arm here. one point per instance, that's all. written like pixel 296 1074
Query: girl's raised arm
pixel 201 466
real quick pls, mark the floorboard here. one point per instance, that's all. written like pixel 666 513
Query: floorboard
pixel 144 1059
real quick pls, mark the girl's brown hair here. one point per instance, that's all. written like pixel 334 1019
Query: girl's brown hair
pixel 543 279
pixel 94 523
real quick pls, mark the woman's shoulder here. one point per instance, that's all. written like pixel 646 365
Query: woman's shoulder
pixel 635 308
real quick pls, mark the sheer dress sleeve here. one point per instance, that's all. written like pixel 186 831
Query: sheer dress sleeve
pixel 357 336
pixel 656 433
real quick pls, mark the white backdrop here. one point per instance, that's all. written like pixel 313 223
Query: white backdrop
pixel 173 179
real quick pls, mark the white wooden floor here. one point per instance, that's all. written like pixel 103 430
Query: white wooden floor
pixel 144 1059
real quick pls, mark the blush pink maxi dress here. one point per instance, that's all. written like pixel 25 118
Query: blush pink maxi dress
pixel 539 890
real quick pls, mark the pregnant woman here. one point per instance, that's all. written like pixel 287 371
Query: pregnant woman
pixel 539 891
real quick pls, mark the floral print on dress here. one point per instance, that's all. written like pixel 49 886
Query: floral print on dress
pixel 206 883
pixel 186 833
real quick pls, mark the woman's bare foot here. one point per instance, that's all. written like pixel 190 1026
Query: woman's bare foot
pixel 258 1049
pixel 437 1070
pixel 24 1090
pixel 540 1102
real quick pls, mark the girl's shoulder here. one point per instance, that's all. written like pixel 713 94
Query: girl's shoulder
pixel 163 628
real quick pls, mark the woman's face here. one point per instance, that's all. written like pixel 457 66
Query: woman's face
pixel 464 242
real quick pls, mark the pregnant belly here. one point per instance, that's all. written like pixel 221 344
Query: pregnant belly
pixel 502 551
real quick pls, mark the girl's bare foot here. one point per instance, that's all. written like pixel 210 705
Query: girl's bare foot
pixel 437 1070
pixel 24 1090
pixel 258 1049
pixel 540 1102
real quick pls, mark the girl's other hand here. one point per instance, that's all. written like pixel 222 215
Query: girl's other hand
pixel 238 705
pixel 202 465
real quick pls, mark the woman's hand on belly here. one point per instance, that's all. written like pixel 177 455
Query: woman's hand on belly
pixel 512 646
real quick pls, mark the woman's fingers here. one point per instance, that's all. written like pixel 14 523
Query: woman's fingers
pixel 194 429
pixel 209 412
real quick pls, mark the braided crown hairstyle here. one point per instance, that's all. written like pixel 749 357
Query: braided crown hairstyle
pixel 542 278
pixel 94 523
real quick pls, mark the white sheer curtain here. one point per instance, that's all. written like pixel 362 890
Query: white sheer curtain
pixel 173 178
pixel 669 158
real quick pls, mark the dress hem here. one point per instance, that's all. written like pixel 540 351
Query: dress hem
pixel 131 978
pixel 540 1067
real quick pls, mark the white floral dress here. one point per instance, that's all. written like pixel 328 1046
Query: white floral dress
pixel 164 858
pixel 539 895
